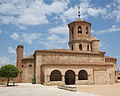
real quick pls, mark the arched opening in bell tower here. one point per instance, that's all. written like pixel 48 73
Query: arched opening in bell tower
pixel 86 30
pixel 80 47
pixel 79 29
pixel 72 34
pixel 88 47
pixel 72 47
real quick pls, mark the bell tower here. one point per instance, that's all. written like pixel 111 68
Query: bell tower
pixel 80 38
pixel 19 61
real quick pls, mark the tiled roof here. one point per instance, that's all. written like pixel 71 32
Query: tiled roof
pixel 67 51
pixel 109 57
pixel 29 57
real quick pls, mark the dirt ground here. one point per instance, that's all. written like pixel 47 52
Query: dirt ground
pixel 103 90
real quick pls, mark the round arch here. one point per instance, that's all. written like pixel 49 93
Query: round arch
pixel 82 75
pixel 69 77
pixel 55 75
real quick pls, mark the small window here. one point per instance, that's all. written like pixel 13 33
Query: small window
pixel 30 65
pixel 72 30
pixel 72 47
pixel 79 29
pixel 22 65
pixel 87 47
pixel 72 34
pixel 86 30
pixel 80 47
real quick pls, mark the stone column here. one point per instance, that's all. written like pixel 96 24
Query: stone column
pixel 76 79
pixel 48 78
pixel 63 79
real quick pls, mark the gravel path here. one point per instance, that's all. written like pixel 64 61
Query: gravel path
pixel 38 90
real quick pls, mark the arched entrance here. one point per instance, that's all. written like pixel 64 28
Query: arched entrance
pixel 82 75
pixel 69 77
pixel 56 76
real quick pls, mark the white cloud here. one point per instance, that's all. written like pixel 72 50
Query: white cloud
pixel 63 29
pixel 114 28
pixel 11 50
pixel 4 60
pixel 1 31
pixel 58 37
pixel 27 12
pixel 15 36
pixel 28 38
pixel 96 11
pixel 22 27
pixel 25 37
pixel 55 41
pixel 116 13
pixel 69 14
pixel 86 8
pixel 36 12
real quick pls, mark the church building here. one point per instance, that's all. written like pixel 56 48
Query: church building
pixel 82 63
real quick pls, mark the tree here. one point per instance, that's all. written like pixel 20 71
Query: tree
pixel 9 71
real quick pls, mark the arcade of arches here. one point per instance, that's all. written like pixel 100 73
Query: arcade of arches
pixel 70 76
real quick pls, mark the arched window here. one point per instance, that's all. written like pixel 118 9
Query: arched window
pixel 86 30
pixel 87 47
pixel 72 47
pixel 80 47
pixel 79 29
pixel 55 76
pixel 72 34
pixel 72 29
pixel 82 75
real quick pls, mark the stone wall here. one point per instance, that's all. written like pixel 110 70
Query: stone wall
pixel 4 80
pixel 100 75
pixel 59 58
pixel 27 70
pixel 99 72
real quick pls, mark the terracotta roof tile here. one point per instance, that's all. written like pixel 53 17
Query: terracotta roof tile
pixel 29 57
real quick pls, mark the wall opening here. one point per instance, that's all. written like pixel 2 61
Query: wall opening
pixel 72 34
pixel 86 30
pixel 80 47
pixel 79 29
pixel 82 75
pixel 56 76
pixel 69 77
pixel 87 47
pixel 71 47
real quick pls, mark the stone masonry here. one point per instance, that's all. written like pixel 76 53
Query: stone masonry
pixel 82 63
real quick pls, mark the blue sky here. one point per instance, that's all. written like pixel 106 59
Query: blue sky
pixel 42 24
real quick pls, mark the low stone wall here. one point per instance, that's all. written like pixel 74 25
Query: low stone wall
pixel 4 80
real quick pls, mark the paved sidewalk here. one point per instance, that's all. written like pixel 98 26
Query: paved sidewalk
pixel 26 89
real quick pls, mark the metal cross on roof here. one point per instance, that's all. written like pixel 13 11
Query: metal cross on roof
pixel 79 12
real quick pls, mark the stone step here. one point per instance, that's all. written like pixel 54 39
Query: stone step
pixel 68 87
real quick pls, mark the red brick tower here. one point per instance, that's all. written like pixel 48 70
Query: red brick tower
pixel 19 61
pixel 80 38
